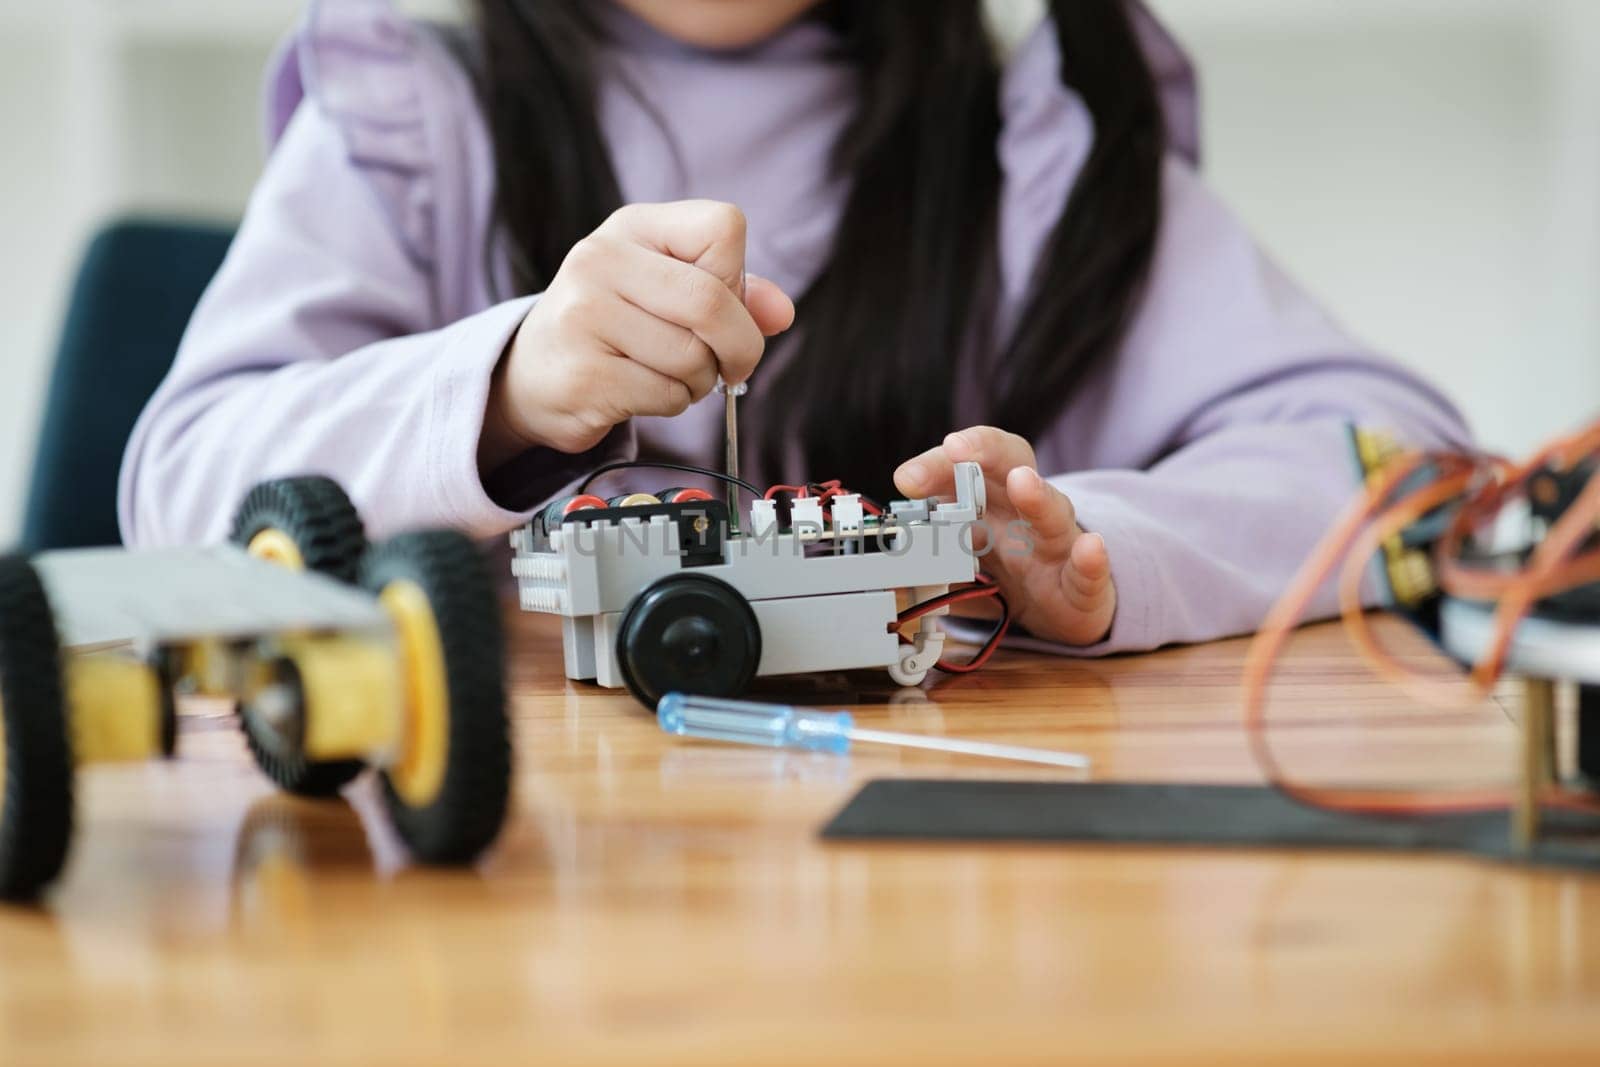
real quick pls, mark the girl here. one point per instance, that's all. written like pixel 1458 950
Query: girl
pixel 439 298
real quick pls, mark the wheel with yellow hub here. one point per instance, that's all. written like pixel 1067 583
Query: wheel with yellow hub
pixel 36 769
pixel 448 787
pixel 305 523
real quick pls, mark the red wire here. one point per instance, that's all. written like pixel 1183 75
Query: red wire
pixel 797 490
pixel 824 491
pixel 981 589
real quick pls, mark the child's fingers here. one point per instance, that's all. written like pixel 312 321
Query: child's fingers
pixel 707 233
pixel 1088 572
pixel 1062 585
pixel 1046 509
pixel 635 389
pixel 933 472
pixel 995 450
pixel 660 345
pixel 929 474
pixel 610 390
pixel 769 305
pixel 691 298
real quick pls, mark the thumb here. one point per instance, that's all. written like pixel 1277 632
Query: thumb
pixel 769 305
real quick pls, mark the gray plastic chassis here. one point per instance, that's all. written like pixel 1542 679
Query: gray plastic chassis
pixel 822 601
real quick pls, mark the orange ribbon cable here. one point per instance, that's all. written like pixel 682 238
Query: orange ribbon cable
pixel 1480 486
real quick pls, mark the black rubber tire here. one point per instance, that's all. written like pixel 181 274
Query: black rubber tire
pixel 36 809
pixel 715 652
pixel 1587 728
pixel 279 755
pixel 165 664
pixel 314 513
pixel 466 815
pixel 295 774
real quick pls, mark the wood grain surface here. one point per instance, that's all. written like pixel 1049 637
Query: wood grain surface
pixel 655 900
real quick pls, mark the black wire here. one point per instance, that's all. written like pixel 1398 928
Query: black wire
pixel 633 464
pixel 980 659
pixel 991 590
pixel 956 596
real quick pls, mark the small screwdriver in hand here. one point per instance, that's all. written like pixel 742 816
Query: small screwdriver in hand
pixel 730 432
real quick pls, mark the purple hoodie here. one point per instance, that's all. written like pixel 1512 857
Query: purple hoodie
pixel 353 329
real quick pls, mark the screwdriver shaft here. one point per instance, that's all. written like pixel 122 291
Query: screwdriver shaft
pixel 731 430
pixel 972 748
pixel 730 434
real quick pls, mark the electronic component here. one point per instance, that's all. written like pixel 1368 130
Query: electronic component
pixel 633 500
pixel 1533 609
pixel 847 513
pixel 763 516
pixel 1406 563
pixel 634 586
pixel 696 528
pixel 1553 490
pixel 560 508
pixel 806 513
pixel 783 726
pixel 910 510
pixel 680 495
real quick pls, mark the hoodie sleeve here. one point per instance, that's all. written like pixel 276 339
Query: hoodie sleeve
pixel 1213 450
pixel 324 344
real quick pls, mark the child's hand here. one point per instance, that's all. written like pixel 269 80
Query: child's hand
pixel 642 317
pixel 1060 587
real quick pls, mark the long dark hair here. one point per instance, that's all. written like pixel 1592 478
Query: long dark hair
pixel 911 281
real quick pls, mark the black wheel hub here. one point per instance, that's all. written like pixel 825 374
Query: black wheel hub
pixel 688 634
pixel 690 645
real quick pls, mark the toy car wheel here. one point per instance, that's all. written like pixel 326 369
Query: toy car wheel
pixel 165 664
pixel 36 769
pixel 275 737
pixel 305 523
pixel 688 633
pixel 448 790
pixel 902 675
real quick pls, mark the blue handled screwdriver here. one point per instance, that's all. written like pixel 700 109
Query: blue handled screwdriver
pixel 786 726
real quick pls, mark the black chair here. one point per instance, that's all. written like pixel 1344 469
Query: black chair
pixel 138 285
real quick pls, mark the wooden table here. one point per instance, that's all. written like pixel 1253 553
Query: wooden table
pixel 666 901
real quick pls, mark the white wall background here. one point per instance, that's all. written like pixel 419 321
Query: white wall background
pixel 1431 168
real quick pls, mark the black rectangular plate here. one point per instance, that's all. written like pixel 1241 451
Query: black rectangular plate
pixel 1183 815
